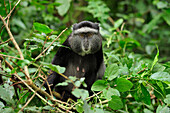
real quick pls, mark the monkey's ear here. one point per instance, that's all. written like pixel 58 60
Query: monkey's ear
pixel 97 25
pixel 73 27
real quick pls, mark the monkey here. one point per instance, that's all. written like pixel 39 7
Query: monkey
pixel 82 56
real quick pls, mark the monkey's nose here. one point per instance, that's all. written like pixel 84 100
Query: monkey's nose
pixel 86 49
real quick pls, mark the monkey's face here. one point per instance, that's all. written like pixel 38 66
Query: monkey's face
pixel 84 43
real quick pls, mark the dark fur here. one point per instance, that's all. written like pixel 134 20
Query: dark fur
pixel 65 57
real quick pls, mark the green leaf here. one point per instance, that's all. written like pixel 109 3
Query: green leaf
pixel 132 41
pixel 162 76
pixel 149 27
pixel 42 28
pixel 7 93
pixel 158 67
pixel 2 46
pixel 64 7
pixel 23 63
pixel 7 110
pixel 166 16
pixel 146 96
pixel 115 103
pixel 162 4
pixel 86 108
pixel 108 93
pixel 111 71
pixel 79 108
pixel 19 23
pixel 97 110
pixel 155 59
pixel 123 85
pixel 167 99
pixel 62 84
pixel 162 109
pixel 99 85
pixel 1 105
pixel 55 68
pixel 147 111
pixel 149 49
pixel 98 9
pixel 118 23
pixel 80 93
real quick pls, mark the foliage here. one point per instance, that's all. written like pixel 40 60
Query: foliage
pixel 135 44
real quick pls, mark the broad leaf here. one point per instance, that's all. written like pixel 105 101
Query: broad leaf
pixel 64 7
pixel 162 76
pixel 112 71
pixel 108 93
pixel 55 68
pixel 80 93
pixel 99 85
pixel 118 23
pixel 155 59
pixel 123 85
pixel 146 96
pixel 115 103
pixel 167 99
pixel 42 28
pixel 166 16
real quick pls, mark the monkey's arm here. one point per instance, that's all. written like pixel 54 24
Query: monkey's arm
pixel 62 55
pixel 61 59
pixel 100 64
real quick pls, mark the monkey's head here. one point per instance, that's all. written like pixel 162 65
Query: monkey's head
pixel 85 38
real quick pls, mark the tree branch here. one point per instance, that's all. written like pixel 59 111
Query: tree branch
pixel 50 44
pixel 16 46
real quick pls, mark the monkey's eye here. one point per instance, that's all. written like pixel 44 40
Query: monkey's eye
pixel 85 35
pixel 82 35
pixel 89 34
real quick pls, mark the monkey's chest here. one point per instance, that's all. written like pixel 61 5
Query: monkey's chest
pixel 81 66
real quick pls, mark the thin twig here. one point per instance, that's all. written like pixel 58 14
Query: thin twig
pixel 50 44
pixel 46 82
pixel 112 21
pixel 18 66
pixel 12 10
pixel 10 56
pixel 94 95
pixel 5 7
pixel 16 46
pixel 27 102
pixel 5 41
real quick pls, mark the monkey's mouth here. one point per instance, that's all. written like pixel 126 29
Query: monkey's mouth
pixel 86 49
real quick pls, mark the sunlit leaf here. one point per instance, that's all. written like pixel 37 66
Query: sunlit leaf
pixel 80 93
pixel 108 93
pixel 167 99
pixel 111 71
pixel 155 59
pixel 99 85
pixel 64 7
pixel 123 85
pixel 162 76
pixel 42 28
pixel 118 23
pixel 55 68
pixel 146 96
pixel 115 103
pixel 166 16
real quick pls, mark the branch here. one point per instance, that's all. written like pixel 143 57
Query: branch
pixel 10 56
pixel 50 44
pixel 16 46
pixel 12 10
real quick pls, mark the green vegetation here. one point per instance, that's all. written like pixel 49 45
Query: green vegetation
pixel 136 45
